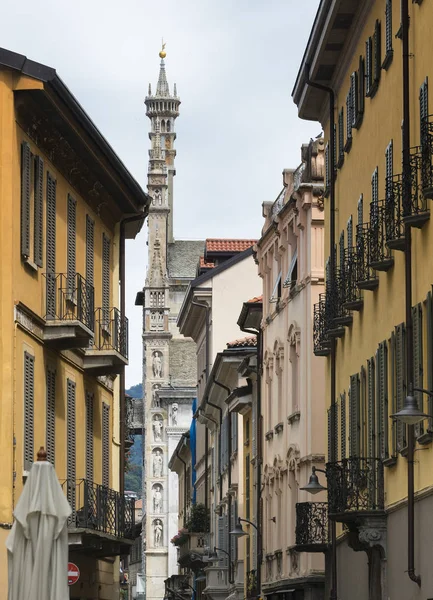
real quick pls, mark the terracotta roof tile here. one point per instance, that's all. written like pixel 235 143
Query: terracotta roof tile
pixel 256 299
pixel 227 245
pixel 246 342
pixel 139 504
pixel 206 264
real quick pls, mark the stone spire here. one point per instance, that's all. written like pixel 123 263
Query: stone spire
pixel 162 89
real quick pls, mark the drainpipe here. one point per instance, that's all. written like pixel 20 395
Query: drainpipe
pixel 122 412
pixel 333 457
pixel 206 435
pixel 259 456
pixel 229 475
pixel 408 289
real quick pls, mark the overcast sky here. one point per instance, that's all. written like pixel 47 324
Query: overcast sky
pixel 234 62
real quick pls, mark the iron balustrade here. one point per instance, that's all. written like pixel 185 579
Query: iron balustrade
pixel 427 156
pixel 340 314
pixel 351 294
pixel 416 214
pixel 366 278
pixel 321 341
pixel 111 331
pixel 312 525
pixel 378 252
pixel 99 508
pixel 354 485
pixel 394 226
pixel 69 299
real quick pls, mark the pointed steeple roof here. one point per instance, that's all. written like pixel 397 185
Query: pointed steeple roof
pixel 162 88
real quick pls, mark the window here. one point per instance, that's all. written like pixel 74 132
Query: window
pixel 89 436
pixel 389 168
pixel 423 113
pixel 276 292
pixel 234 432
pixel 334 158
pixel 32 174
pixel 388 35
pixel 341 249
pixel 377 54
pixel 340 138
pixel 70 442
pixel 292 273
pixel 51 414
pixel 332 427
pixel 29 383
pixel 360 96
pixel 105 444
pixel 354 416
pixel 51 248
pixel 350 232
pixel 71 245
pixel 247 487
pixel 233 539
pixel 375 186
pixel 371 409
pixel 373 61
pixel 429 345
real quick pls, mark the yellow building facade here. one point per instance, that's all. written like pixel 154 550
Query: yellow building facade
pixel 67 203
pixel 355 59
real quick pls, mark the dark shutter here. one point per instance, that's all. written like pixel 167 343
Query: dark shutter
pixel 89 436
pixel 71 247
pixel 343 432
pixel 377 59
pixel 388 26
pixel 360 210
pixel 354 95
pixel 234 418
pixel 340 136
pixel 51 248
pixel 354 416
pixel 375 186
pixel 247 487
pixel 39 211
pixel 234 539
pixel 105 276
pixel 25 199
pixel 221 538
pixel 429 331
pixel 349 113
pixel 105 444
pixel 368 66
pixel 29 391
pixel 389 168
pixel 327 168
pixel 51 414
pixel 393 381
pixel 361 88
pixel 400 381
pixel 371 409
pixel 333 433
pixel 71 442
pixel 341 249
pixel 350 232
pixel 382 399
pixel 423 112
pixel 334 146
pixel 90 250
pixel 418 379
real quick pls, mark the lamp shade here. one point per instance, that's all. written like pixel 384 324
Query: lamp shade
pixel 410 413
pixel 238 532
pixel 313 486
pixel 211 557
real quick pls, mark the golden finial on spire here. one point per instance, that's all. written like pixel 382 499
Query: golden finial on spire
pixel 162 54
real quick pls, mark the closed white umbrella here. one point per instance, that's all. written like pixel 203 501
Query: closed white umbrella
pixel 38 542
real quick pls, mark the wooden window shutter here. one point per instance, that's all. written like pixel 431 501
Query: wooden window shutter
pixel 233 539
pixel 334 147
pixel 371 409
pixel 423 112
pixel 349 112
pixel 354 416
pixel 333 439
pixel 350 232
pixel 51 248
pixel 377 59
pixel 51 414
pixel 389 168
pixel 368 66
pixel 340 136
pixel 71 442
pixel 105 275
pixel 89 436
pixel 418 370
pixel 254 428
pixel 71 242
pixel 247 487
pixel 90 250
pixel 234 418
pixel 343 432
pixel 354 97
pixel 400 382
pixel 360 210
pixel 105 444
pixel 388 26
pixel 341 248
pixel 361 88
pixel 327 168
pixel 429 331
pixel 382 400
pixel 221 532
pixel 39 211
pixel 26 156
pixel 329 435
pixel 29 399
pixel 375 186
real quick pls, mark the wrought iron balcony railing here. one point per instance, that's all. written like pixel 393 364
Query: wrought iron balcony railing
pixel 379 254
pixel 354 485
pixel 111 331
pixel 366 277
pixel 321 340
pixel 340 314
pixel 351 294
pixel 311 526
pixel 99 508
pixel 417 213
pixel 69 298
pixel 394 226
pixel 427 156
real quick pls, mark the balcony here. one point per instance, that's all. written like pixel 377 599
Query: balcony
pixel 427 156
pixel 69 318
pixel 108 353
pixel 379 255
pixel 321 340
pixel 102 520
pixel 355 488
pixel 366 277
pixel 192 550
pixel 311 526
pixel 351 295
pixel 340 314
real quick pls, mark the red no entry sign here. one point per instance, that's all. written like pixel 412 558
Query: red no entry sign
pixel 73 573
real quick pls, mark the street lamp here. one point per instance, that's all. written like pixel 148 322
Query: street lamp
pixel 314 486
pixel 410 413
pixel 238 531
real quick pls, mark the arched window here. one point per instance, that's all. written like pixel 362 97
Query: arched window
pixel 168 127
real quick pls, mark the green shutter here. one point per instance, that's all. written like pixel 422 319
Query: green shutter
pixel 361 87
pixel 423 111
pixel 105 444
pixel 25 199
pixel 51 248
pixel 29 399
pixel 39 211
pixel 71 243
pixel 51 414
pixel 382 399
pixel 71 450
pixel 371 409
pixel 89 436
pixel 400 382
pixel 90 250
pixel 341 135
pixel 105 277
pixel 429 331
pixel 329 435
pixel 247 487
pixel 418 361
pixel 343 433
pixel 377 47
pixel 349 113
pixel 327 168
pixel 354 416
pixel 368 66
pixel 350 232
pixel 388 26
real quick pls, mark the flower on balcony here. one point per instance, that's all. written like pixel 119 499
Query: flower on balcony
pixel 199 519
pixel 180 537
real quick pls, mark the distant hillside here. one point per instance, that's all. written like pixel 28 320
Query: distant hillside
pixel 134 469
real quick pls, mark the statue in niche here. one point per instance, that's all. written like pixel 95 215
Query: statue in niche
pixel 157 363
pixel 157 463
pixel 157 499
pixel 174 411
pixel 157 427
pixel 157 533
pixel 156 401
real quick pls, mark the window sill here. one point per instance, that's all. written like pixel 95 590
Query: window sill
pixel 399 34
pixel 348 145
pixel 373 90
pixel 390 461
pixel 387 60
pixel 279 427
pixel 340 162
pixel 404 451
pixel 246 443
pixel 295 416
pixel 31 265
pixel 358 121
pixel 269 435
pixel 425 438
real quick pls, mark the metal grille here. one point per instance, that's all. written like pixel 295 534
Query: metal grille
pixel 39 211
pixel 89 436
pixel 111 331
pixel 71 243
pixel 69 300
pixel 51 414
pixel 25 199
pixel 90 250
pixel 311 524
pixel 29 378
pixel 71 442
pixel 355 484
pixel 105 445
pixel 51 248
